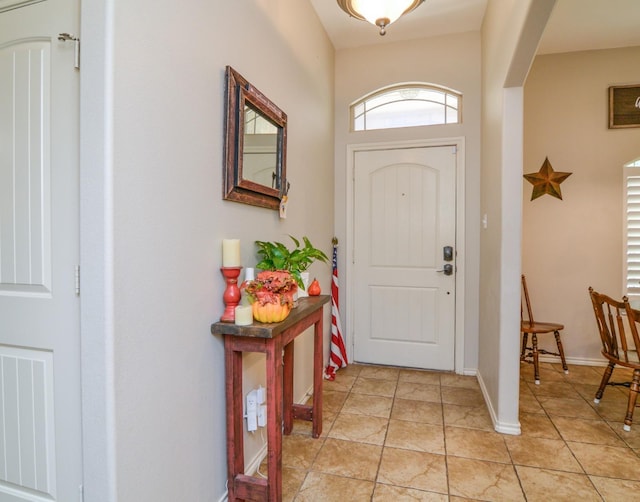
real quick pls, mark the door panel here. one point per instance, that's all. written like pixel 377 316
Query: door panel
pixel 404 208
pixel 40 406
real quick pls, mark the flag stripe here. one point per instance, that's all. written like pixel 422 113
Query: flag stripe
pixel 337 351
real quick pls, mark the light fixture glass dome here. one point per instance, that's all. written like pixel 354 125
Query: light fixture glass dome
pixel 378 12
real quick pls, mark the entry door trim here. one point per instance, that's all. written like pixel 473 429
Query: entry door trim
pixel 457 142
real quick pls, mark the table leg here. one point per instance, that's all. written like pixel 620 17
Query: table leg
pixel 235 438
pixel 274 418
pixel 287 383
pixel 317 378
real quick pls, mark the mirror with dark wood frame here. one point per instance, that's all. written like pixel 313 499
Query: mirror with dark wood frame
pixel 255 145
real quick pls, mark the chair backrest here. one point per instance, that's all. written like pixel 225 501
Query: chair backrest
pixel 525 293
pixel 618 327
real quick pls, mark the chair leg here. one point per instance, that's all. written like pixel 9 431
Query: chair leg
pixel 525 339
pixel 561 350
pixel 536 369
pixel 603 383
pixel 633 396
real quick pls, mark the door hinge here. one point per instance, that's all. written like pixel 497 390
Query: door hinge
pixel 455 149
pixel 64 37
pixel 77 280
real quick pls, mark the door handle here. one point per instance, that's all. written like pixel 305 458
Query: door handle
pixel 447 269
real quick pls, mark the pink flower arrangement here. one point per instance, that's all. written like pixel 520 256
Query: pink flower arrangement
pixel 271 286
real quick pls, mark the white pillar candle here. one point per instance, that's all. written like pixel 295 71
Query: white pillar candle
pixel 244 315
pixel 249 274
pixel 230 253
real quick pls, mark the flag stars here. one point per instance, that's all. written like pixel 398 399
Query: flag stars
pixel 546 181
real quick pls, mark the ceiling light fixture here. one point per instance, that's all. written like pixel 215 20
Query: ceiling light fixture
pixel 378 12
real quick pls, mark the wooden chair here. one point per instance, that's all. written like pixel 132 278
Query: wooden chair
pixel 618 328
pixel 528 326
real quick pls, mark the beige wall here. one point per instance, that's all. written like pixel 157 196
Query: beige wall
pixel 452 61
pixel 153 102
pixel 574 243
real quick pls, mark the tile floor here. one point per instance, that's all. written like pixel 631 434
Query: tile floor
pixel 393 434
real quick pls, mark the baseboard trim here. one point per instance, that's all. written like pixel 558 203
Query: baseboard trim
pixel 512 429
pixel 578 361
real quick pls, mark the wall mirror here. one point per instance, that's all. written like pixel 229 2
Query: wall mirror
pixel 255 145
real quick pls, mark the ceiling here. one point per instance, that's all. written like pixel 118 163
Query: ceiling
pixel 574 25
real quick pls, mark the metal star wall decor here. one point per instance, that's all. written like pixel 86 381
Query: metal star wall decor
pixel 546 181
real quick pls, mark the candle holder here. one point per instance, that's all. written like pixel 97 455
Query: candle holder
pixel 231 294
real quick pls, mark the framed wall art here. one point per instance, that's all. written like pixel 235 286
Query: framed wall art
pixel 624 106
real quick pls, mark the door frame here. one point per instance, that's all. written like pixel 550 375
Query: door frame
pixel 459 321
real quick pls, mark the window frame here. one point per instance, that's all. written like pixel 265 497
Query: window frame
pixel 447 93
pixel 631 225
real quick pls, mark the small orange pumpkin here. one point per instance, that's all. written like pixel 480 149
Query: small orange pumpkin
pixel 314 288
pixel 270 312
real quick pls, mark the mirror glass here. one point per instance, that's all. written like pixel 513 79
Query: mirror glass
pixel 255 146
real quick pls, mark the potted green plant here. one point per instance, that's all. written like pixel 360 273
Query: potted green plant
pixel 276 256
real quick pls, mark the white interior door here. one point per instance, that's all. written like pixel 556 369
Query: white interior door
pixel 40 401
pixel 404 216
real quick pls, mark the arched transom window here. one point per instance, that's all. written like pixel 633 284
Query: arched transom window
pixel 406 105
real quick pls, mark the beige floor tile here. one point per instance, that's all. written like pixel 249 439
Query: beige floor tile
pixel 539 452
pixel 352 370
pixel 305 427
pixel 381 372
pixel 607 461
pixel 547 373
pixel 299 451
pixel 415 436
pixel 420 376
pixel 471 417
pixel 542 484
pixel 566 407
pixel 413 469
pixel 374 386
pixel 342 384
pixel 332 401
pixel 417 411
pixel 480 445
pixel 462 396
pixel 453 380
pixel 388 493
pixel 615 490
pixel 583 374
pixel 612 408
pixel 538 425
pixel 587 391
pixel 587 431
pixel 321 487
pixel 482 480
pixel 352 427
pixel 292 480
pixel 418 392
pixel 529 404
pixel 632 437
pixel 349 459
pixel 553 389
pixel 374 406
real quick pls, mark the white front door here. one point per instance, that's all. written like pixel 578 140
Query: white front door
pixel 40 400
pixel 404 217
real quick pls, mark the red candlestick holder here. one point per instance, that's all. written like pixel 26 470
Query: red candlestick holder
pixel 231 294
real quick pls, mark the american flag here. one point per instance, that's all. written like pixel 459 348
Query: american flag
pixel 337 352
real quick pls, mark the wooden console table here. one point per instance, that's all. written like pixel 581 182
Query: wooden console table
pixel 272 339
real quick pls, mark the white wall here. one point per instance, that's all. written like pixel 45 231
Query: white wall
pixel 153 198
pixel 576 242
pixel 510 32
pixel 452 61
